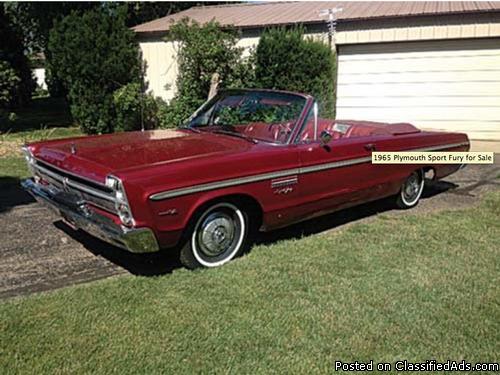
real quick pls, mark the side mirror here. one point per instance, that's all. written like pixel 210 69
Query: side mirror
pixel 325 137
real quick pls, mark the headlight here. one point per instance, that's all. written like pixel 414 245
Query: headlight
pixel 121 203
pixel 30 160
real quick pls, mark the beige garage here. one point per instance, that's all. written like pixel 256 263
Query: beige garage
pixel 451 85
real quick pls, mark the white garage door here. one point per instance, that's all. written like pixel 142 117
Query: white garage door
pixel 445 85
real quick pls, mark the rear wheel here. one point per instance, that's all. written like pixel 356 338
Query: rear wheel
pixel 219 235
pixel 411 191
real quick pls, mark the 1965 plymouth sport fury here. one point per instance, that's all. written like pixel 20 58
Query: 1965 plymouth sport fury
pixel 247 160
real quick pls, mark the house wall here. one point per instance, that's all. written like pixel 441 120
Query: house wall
pixel 422 28
pixel 160 59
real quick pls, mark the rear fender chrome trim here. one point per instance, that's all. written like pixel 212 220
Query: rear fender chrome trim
pixel 283 173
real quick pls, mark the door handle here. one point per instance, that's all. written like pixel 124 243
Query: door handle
pixel 370 147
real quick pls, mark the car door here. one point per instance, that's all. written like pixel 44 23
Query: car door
pixel 338 174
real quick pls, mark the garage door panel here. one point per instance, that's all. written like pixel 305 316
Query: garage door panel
pixel 428 119
pixel 419 89
pixel 431 113
pixel 488 46
pixel 423 76
pixel 460 126
pixel 475 129
pixel 419 65
pixel 448 85
pixel 447 101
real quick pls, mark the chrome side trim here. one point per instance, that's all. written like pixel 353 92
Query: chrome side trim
pixel 284 182
pixel 336 164
pixel 284 173
pixel 222 184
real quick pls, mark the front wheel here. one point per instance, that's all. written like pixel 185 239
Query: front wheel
pixel 218 236
pixel 411 191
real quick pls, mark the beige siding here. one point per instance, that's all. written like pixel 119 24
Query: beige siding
pixel 161 67
pixel 161 64
pixel 422 28
pixel 446 85
pixel 248 43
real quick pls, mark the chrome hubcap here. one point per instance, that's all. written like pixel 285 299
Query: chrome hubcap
pixel 411 188
pixel 216 234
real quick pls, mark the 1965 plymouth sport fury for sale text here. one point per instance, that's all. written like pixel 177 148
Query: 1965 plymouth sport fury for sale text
pixel 247 160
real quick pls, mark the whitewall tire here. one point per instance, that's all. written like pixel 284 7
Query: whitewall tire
pixel 411 190
pixel 219 235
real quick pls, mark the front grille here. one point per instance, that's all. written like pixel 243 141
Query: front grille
pixel 91 192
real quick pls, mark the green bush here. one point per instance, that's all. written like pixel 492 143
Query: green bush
pixel 134 109
pixel 94 54
pixel 9 82
pixel 16 78
pixel 203 51
pixel 285 60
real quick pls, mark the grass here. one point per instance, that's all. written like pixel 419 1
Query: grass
pixel 13 167
pixel 46 118
pixel 406 287
pixel 41 113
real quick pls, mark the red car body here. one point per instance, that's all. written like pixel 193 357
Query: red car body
pixel 169 174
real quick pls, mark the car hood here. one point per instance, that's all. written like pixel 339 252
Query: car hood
pixel 96 156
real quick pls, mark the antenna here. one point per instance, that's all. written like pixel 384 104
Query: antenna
pixel 332 22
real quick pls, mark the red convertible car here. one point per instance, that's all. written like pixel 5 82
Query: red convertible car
pixel 247 160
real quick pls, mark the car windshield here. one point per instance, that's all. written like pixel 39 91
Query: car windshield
pixel 256 115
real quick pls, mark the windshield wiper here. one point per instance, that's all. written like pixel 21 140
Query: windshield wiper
pixel 227 132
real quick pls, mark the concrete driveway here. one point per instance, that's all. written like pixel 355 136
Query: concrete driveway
pixel 39 253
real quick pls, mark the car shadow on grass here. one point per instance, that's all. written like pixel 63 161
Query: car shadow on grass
pixel 347 216
pixel 166 261
pixel 12 194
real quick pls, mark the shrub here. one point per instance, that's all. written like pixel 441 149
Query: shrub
pixel 135 109
pixel 17 80
pixel 9 82
pixel 94 54
pixel 285 60
pixel 203 51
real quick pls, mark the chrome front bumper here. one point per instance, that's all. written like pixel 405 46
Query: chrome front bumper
pixel 77 214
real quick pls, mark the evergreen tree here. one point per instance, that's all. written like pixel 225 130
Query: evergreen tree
pixel 94 54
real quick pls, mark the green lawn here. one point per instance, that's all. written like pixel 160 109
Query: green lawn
pixel 406 287
pixel 42 113
pixel 44 119
pixel 12 168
